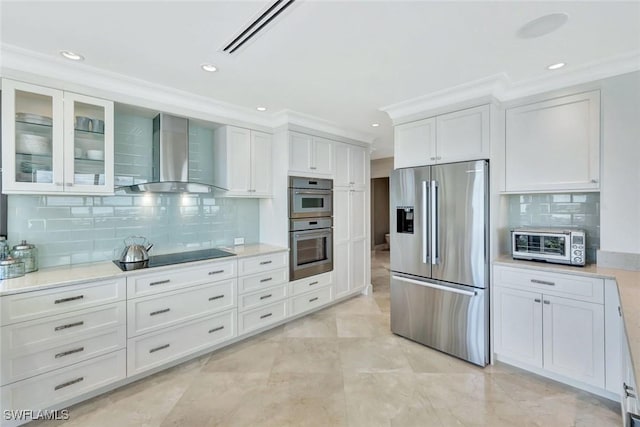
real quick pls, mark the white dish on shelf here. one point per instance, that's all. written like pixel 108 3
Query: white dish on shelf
pixel 34 119
pixel 95 154
pixel 33 144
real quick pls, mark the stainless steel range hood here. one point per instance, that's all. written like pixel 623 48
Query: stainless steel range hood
pixel 171 160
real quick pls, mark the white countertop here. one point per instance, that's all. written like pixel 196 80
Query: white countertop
pixel 628 290
pixel 53 277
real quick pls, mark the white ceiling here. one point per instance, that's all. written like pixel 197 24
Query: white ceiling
pixel 336 60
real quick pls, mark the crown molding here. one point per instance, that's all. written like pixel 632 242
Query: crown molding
pixel 293 118
pixel 500 87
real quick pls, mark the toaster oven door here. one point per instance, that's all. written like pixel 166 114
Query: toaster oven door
pixel 545 246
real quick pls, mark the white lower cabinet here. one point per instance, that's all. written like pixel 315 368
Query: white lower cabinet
pixel 559 335
pixel 311 301
pixel 64 384
pixel 261 317
pixel 157 348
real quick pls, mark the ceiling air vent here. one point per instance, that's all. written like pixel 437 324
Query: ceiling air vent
pixel 254 27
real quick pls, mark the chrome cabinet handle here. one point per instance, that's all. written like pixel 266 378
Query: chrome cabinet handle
pixel 547 301
pixel 543 282
pixel 68 383
pixel 68 325
pixel 216 297
pixel 161 282
pixel 312 168
pixel 58 184
pixel 313 299
pixel 66 353
pixel 69 184
pixel 219 328
pixel 164 310
pixel 59 301
pixel 313 283
pixel 266 280
pixel 433 158
pixel 537 300
pixel 211 273
pixel 266 296
pixel 594 181
pixel 162 347
pixel 627 387
pixel 265 262
pixel 264 316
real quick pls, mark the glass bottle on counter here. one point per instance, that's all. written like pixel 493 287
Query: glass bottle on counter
pixel 28 254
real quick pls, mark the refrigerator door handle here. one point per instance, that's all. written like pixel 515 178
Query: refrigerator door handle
pixel 434 286
pixel 425 237
pixel 435 256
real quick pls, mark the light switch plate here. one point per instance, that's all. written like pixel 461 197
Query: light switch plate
pixel 238 241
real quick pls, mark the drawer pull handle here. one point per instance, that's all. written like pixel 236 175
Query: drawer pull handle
pixel 266 262
pixel 264 316
pixel 164 310
pixel 58 301
pixel 313 283
pixel 266 296
pixel 542 282
pixel 313 299
pixel 266 280
pixel 66 353
pixel 68 383
pixel 537 300
pixel 67 326
pixel 211 273
pixel 160 282
pixel 219 328
pixel 547 301
pixel 162 347
pixel 216 297
pixel 627 387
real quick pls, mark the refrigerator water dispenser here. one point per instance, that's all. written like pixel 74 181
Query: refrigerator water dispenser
pixel 404 217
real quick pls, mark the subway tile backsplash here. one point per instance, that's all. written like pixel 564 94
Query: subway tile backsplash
pixel 76 229
pixel 570 210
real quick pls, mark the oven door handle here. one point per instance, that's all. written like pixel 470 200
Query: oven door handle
pixel 311 234
pixel 315 192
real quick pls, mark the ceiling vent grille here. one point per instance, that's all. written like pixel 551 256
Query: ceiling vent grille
pixel 257 25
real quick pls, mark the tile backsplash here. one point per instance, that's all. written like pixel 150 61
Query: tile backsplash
pixel 76 229
pixel 570 210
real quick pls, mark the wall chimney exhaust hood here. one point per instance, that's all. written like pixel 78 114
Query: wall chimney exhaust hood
pixel 171 160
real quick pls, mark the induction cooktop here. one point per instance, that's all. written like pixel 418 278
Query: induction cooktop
pixel 170 259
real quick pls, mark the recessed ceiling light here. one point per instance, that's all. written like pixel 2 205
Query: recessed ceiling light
pixel 375 125
pixel 542 26
pixel 210 68
pixel 556 66
pixel 71 55
pixel 261 108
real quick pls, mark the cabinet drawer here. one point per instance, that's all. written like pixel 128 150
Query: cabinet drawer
pixel 169 308
pixel 20 365
pixel 261 317
pixel 310 301
pixel 63 384
pixel 263 297
pixel 169 280
pixel 310 283
pixel 154 349
pixel 258 264
pixel 564 285
pixel 262 280
pixel 41 334
pixel 33 305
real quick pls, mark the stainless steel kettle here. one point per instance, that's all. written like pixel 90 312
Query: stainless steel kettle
pixel 136 249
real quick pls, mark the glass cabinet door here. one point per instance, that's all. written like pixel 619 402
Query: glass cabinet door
pixel 88 144
pixel 32 138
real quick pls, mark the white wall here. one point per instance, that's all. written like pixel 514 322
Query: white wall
pixel 381 168
pixel 620 187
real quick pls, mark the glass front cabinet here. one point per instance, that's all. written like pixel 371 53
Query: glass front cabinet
pixel 55 141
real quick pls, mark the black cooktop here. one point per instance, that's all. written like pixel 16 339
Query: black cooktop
pixel 169 259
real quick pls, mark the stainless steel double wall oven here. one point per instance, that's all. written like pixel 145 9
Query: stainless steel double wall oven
pixel 310 226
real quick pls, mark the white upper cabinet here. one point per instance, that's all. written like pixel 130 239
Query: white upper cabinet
pixel 310 155
pixel 55 141
pixel 554 145
pixel 454 137
pixel 463 135
pixel 242 160
pixel 415 144
pixel 350 166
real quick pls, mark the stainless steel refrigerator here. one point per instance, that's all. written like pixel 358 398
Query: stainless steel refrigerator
pixel 439 257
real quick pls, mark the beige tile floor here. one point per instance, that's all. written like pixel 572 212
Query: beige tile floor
pixel 342 367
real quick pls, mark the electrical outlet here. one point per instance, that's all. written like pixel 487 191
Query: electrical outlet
pixel 238 241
